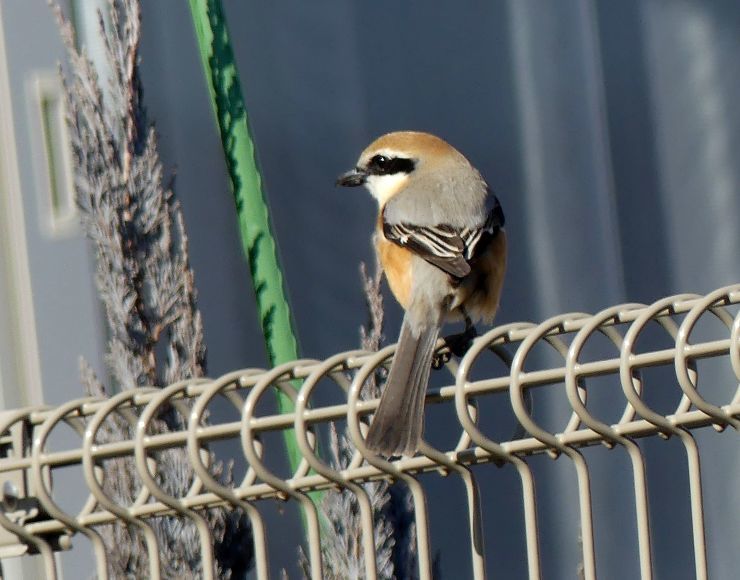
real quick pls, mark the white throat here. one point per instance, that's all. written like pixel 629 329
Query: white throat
pixel 384 187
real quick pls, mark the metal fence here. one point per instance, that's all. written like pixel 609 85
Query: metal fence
pixel 34 522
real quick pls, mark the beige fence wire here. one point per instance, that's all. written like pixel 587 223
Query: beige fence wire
pixel 34 522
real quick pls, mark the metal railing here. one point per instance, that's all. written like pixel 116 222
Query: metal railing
pixel 28 462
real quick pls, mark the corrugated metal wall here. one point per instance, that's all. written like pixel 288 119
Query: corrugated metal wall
pixel 609 130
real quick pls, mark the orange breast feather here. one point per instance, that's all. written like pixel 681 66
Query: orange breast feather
pixel 396 262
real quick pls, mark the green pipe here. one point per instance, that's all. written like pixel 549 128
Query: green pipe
pixel 246 183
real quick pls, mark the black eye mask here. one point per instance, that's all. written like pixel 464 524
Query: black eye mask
pixel 382 165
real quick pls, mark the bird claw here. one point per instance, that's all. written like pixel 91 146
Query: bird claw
pixel 440 359
pixel 457 344
pixel 460 343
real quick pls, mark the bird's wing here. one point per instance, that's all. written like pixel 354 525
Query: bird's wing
pixel 449 248
pixel 439 245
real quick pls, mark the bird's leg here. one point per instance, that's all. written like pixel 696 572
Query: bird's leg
pixel 460 343
pixel 457 344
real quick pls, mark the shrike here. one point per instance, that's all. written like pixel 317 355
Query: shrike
pixel 442 246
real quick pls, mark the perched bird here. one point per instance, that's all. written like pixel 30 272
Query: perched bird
pixel 442 246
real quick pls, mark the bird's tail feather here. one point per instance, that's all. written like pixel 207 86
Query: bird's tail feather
pixel 399 421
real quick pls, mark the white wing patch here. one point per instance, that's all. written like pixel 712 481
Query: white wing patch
pixel 471 237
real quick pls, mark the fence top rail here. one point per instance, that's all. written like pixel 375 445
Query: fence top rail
pixel 559 325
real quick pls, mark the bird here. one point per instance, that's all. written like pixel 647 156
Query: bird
pixel 441 243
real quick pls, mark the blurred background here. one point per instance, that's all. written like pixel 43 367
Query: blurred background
pixel 610 132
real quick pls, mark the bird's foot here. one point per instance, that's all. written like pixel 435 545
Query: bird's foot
pixel 460 343
pixel 440 359
pixel 457 344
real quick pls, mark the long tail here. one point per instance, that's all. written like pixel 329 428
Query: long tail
pixel 399 421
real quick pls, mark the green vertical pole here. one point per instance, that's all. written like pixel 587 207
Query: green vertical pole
pixel 254 221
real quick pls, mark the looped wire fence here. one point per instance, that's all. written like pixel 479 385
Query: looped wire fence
pixel 510 348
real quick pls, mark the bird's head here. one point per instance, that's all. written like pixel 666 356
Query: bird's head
pixel 391 162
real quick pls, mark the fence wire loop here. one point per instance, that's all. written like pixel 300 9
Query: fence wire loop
pixel 524 369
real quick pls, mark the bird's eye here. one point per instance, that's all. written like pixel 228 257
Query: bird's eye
pixel 380 161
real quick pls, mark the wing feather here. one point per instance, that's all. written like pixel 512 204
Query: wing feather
pixel 450 249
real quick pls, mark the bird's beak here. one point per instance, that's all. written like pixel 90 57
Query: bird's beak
pixel 352 178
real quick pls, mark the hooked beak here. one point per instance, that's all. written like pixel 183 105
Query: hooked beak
pixel 352 178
